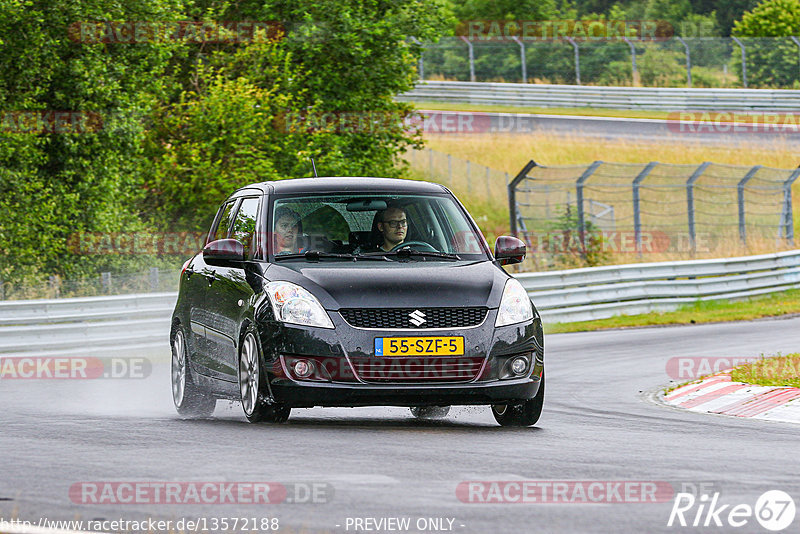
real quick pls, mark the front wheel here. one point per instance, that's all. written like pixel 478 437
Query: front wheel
pixel 526 413
pixel 188 398
pixel 251 381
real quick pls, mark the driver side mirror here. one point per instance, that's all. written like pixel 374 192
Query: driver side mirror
pixel 508 250
pixel 223 251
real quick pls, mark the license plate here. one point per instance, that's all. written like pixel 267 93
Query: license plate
pixel 419 346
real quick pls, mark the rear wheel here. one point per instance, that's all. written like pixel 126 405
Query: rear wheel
pixel 430 412
pixel 526 413
pixel 251 382
pixel 188 398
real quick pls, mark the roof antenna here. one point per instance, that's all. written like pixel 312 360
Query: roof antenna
pixel 314 166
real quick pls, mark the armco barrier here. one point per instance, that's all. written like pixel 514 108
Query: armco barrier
pixel 100 325
pixel 577 96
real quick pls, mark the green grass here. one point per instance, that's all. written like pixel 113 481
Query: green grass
pixel 776 371
pixel 701 312
pixel 586 111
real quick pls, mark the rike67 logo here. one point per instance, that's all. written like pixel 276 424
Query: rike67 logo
pixel 774 510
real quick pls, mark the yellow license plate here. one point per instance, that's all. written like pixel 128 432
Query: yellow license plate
pixel 419 346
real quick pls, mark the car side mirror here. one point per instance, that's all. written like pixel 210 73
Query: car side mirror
pixel 508 250
pixel 223 251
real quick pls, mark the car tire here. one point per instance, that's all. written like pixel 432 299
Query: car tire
pixel 526 413
pixel 189 399
pixel 252 383
pixel 430 412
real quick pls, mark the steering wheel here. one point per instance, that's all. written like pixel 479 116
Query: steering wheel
pixel 422 244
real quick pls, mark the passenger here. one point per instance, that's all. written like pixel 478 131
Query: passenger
pixel 287 230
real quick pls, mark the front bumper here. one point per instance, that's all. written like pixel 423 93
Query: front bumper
pixel 349 348
pixel 307 395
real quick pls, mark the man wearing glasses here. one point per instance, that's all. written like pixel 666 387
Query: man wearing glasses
pixel 393 226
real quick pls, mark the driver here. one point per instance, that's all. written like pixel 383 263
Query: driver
pixel 393 226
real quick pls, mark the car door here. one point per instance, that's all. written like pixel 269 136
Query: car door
pixel 200 277
pixel 229 294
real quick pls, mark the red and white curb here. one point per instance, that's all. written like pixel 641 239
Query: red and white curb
pixel 719 394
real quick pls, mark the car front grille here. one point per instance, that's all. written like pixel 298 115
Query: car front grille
pixel 413 318
pixel 407 370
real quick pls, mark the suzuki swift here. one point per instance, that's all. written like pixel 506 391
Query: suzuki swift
pixel 354 292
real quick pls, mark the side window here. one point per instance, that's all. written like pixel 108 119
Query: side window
pixel 221 231
pixel 244 225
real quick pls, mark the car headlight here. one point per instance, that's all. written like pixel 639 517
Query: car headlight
pixel 515 306
pixel 295 305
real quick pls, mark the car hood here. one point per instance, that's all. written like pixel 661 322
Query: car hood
pixel 396 284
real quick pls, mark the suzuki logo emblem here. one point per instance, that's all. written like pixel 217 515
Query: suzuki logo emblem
pixel 416 318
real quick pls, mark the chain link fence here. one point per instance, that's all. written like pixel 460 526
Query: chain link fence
pixel 154 280
pixel 652 208
pixel 465 178
pixel 674 62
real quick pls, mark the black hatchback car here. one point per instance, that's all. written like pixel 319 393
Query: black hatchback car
pixel 354 292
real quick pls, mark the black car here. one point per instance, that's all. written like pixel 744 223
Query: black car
pixel 354 292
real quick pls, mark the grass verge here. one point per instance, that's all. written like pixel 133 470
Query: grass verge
pixel 773 305
pixel 583 111
pixel 776 371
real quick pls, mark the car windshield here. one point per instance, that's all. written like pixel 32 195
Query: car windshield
pixel 352 225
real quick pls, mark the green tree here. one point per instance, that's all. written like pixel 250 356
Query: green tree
pixel 54 184
pixel 771 62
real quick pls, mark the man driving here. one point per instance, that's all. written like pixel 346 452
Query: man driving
pixel 393 226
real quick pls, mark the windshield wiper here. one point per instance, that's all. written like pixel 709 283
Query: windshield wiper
pixel 408 252
pixel 315 255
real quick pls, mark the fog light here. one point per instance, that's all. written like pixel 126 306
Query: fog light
pixel 519 365
pixel 302 368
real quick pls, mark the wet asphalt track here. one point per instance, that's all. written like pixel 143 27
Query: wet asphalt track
pixel 598 424
pixel 615 128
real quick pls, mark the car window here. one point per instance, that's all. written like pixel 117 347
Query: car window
pixel 349 223
pixel 244 224
pixel 221 231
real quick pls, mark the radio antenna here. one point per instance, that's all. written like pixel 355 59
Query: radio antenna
pixel 314 166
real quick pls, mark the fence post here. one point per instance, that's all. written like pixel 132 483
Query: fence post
pixel 2 289
pixel 421 61
pixel 512 195
pixel 637 216
pixel 153 279
pixel 577 60
pixel 450 169
pixel 688 63
pixel 471 59
pixel 690 201
pixel 797 42
pixel 579 200
pixel 634 73
pixel 740 201
pixel 744 60
pixel 787 200
pixel 522 58
pixel 105 280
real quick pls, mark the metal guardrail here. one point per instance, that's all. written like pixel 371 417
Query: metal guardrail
pixel 577 96
pixel 601 292
pixel 102 325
